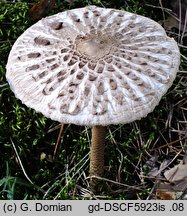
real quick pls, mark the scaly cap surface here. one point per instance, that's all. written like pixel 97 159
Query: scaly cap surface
pixel 93 66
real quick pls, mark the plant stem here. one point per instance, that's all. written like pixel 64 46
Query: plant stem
pixel 97 153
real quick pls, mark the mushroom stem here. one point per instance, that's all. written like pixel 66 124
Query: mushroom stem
pixel 97 153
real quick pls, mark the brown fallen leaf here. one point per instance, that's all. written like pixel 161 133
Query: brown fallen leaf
pixel 176 185
pixel 40 9
pixel 165 195
pixel 166 191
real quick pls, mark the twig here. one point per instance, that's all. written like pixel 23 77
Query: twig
pixel 54 128
pixel 182 46
pixel 180 18
pixel 3 85
pixel 114 182
pixel 184 28
pixel 19 160
pixel 58 140
pixel 169 144
pixel 184 72
pixel 184 57
pixel 162 8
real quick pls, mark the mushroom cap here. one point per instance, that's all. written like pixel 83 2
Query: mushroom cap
pixel 93 66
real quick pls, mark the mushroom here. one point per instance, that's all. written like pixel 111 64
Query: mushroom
pixel 93 66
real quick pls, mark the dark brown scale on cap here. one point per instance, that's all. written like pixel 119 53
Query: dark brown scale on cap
pixel 80 76
pixel 72 71
pixel 66 57
pixel 110 68
pixel 108 59
pixel 57 25
pixel 96 13
pixel 86 91
pixel 43 74
pixel 61 73
pixel 54 66
pixel 91 66
pixel 42 41
pixel 100 88
pixel 72 62
pixel 113 84
pixel 72 87
pixel 50 60
pixel 64 50
pixel 34 55
pixel 100 69
pixel 64 108
pixel 86 15
pixel 82 64
pixel 33 67
pixel 92 77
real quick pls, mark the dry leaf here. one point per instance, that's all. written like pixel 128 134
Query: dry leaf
pixel 165 195
pixel 166 191
pixel 155 171
pixel 177 173
pixel 40 9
